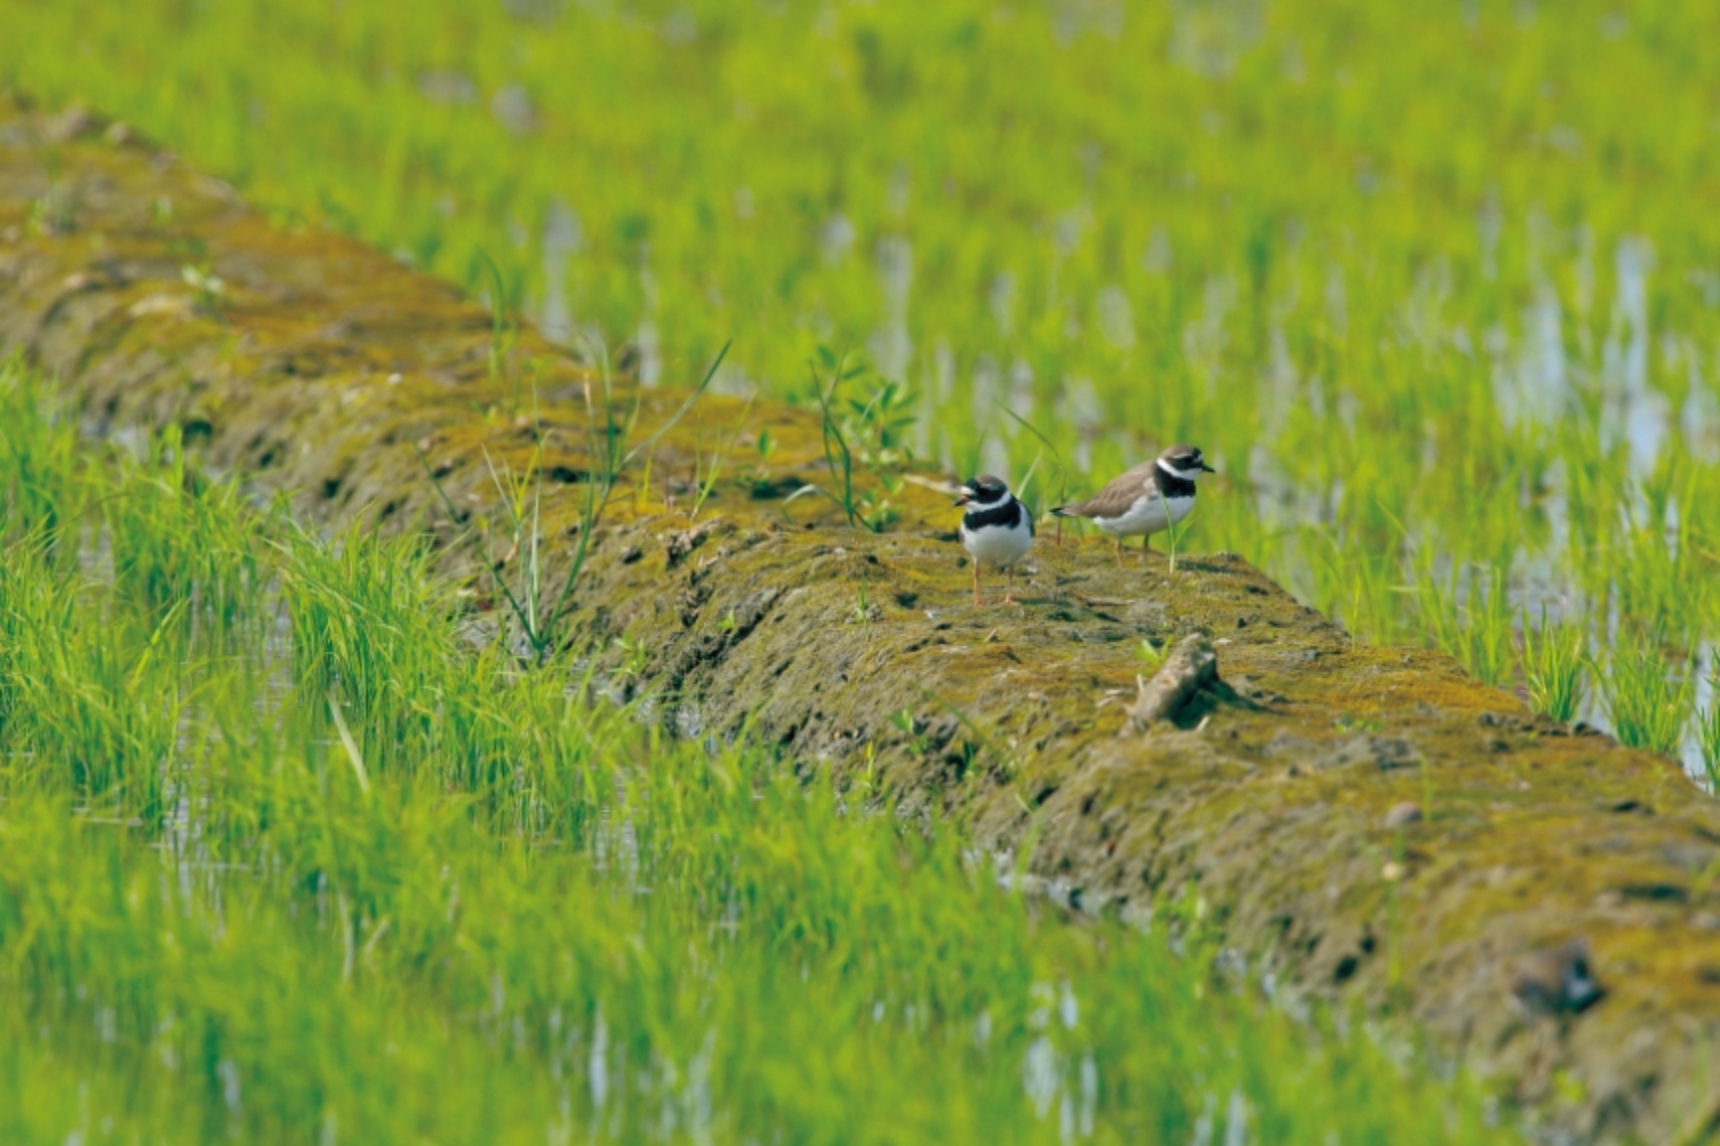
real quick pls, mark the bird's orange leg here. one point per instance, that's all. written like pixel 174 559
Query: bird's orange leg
pixel 1117 549
pixel 1009 590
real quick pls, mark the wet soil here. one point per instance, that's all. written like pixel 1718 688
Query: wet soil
pixel 1277 793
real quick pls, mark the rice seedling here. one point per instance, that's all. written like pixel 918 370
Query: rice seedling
pixel 38 468
pixel 175 538
pixel 1555 665
pixel 420 890
pixel 1648 700
pixel 1708 732
pixel 1467 613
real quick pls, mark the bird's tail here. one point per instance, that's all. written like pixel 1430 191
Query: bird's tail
pixel 1064 511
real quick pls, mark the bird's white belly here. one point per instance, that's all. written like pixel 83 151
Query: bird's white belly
pixel 997 544
pixel 1150 514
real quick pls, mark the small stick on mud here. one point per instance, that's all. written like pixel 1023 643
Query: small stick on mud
pixel 1191 666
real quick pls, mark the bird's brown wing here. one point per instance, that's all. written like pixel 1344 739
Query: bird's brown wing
pixel 1116 498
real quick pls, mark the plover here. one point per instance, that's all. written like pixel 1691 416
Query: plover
pixel 1148 499
pixel 996 528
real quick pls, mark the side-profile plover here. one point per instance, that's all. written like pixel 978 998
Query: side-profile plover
pixel 1148 499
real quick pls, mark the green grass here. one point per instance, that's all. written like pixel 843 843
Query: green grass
pixel 1648 702
pixel 1422 280
pixel 276 860
pixel 1707 727
pixel 1555 665
pixel 296 863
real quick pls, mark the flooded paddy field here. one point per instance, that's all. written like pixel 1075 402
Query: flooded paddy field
pixel 1439 303
pixel 1438 299
pixel 282 858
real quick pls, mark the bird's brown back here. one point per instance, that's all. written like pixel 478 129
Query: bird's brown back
pixel 1117 496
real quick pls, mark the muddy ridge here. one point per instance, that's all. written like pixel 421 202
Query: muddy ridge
pixel 1366 825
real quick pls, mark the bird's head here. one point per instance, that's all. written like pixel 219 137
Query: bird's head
pixel 983 490
pixel 1184 462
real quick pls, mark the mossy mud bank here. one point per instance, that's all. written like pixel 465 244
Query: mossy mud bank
pixel 1273 799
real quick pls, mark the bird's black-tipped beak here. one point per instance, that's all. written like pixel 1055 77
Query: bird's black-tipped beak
pixel 964 499
pixel 1206 467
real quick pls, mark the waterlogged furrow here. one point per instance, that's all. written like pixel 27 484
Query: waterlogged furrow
pixel 401 890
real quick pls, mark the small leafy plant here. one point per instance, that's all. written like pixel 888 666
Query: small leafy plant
pixel 1151 655
pixel 869 435
pixel 208 289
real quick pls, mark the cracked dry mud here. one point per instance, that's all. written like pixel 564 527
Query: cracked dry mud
pixel 1277 789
